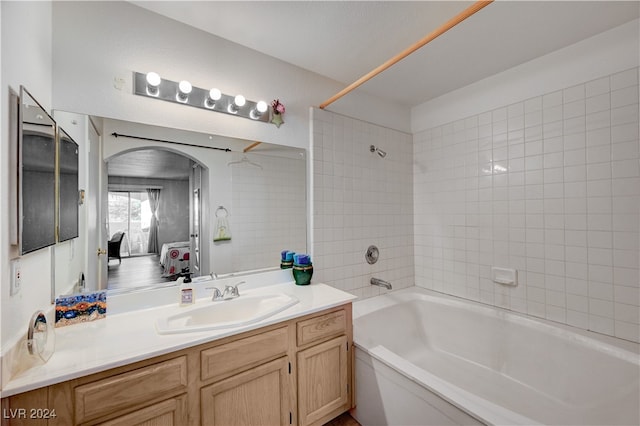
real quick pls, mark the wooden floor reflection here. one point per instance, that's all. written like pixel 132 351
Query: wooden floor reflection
pixel 135 272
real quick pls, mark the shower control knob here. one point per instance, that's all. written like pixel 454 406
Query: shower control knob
pixel 372 255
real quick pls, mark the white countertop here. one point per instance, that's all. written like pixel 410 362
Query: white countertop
pixel 131 336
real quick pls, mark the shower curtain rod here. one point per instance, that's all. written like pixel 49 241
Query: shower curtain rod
pixel 118 135
pixel 409 50
pixel 250 147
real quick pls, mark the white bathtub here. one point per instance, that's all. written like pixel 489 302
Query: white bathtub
pixel 426 358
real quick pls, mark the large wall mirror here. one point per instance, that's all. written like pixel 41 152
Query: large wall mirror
pixel 177 201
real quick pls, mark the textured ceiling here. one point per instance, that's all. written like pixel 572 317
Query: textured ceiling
pixel 344 40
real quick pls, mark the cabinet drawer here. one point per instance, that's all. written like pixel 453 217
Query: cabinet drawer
pixel 321 327
pixel 231 358
pixel 126 390
pixel 172 412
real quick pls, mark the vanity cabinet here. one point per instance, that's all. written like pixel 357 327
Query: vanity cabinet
pixel 297 372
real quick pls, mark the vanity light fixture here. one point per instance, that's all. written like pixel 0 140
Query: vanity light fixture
pixel 152 86
pixel 153 81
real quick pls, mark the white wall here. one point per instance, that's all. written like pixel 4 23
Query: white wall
pixel 360 199
pixel 26 60
pixel 97 42
pixel 538 169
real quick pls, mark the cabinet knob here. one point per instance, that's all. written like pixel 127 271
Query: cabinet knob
pixel 101 251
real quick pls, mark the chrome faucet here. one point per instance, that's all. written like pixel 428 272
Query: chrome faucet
pixel 230 292
pixel 381 283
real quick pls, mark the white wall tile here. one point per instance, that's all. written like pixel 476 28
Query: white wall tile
pixel 573 109
pixel 565 211
pixel 597 87
pixel 625 168
pixel 624 115
pixel 361 199
pixel 628 331
pixel 624 150
pixel 624 97
pixel 598 103
pixel 574 141
pixel 624 79
pixel 552 99
pixel 624 133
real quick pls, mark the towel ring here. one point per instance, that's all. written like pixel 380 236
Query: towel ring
pixel 226 212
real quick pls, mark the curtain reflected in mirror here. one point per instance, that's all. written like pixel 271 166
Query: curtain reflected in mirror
pixel 154 202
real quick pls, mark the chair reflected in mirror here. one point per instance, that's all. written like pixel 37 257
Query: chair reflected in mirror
pixel 114 246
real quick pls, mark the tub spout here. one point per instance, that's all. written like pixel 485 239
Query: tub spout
pixel 381 283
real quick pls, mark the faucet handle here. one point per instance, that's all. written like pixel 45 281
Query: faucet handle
pixel 235 288
pixel 231 291
pixel 217 294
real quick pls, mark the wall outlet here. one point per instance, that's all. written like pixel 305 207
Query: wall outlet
pixel 16 277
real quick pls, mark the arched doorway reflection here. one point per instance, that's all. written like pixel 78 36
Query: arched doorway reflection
pixel 150 217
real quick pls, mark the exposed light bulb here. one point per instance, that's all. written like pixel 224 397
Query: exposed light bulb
pixel 261 108
pixel 239 100
pixel 184 88
pixel 214 95
pixel 153 79
pixel 153 82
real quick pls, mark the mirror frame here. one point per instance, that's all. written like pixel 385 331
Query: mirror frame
pixel 64 199
pixel 24 93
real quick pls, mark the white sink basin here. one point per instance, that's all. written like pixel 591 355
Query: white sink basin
pixel 225 314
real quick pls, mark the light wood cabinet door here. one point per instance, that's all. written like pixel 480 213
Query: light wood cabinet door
pixel 259 396
pixel 323 380
pixel 172 412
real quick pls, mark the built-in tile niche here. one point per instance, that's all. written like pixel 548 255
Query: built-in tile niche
pixel 549 186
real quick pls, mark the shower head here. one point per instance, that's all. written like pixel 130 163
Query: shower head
pixel 378 151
